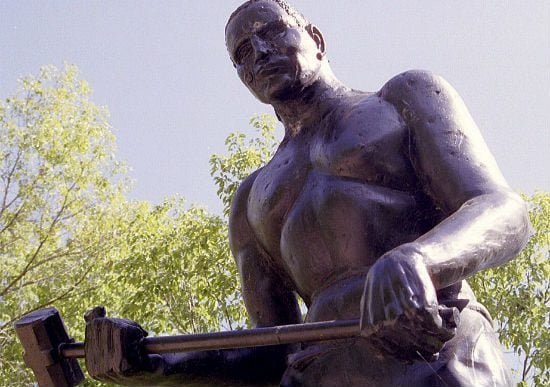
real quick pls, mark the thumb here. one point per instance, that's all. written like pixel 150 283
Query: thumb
pixel 96 312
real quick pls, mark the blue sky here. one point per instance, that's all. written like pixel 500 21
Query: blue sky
pixel 162 70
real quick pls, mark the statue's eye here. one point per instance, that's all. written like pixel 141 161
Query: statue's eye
pixel 243 52
pixel 276 30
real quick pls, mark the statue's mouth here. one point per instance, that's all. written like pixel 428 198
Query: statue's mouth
pixel 270 69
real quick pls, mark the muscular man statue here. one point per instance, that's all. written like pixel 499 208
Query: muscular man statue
pixel 375 206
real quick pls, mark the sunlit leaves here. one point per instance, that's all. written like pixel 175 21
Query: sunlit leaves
pixel 518 297
pixel 59 188
pixel 244 156
pixel 176 272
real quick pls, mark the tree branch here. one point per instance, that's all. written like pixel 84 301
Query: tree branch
pixel 526 365
pixel 60 297
pixel 8 183
pixel 40 245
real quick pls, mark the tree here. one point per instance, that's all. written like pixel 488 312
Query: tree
pixel 175 271
pixel 59 186
pixel 518 297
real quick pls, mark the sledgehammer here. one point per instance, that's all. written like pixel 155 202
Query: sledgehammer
pixel 52 355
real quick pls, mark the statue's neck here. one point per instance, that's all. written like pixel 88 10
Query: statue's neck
pixel 310 105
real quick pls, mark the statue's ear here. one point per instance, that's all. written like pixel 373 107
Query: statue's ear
pixel 317 37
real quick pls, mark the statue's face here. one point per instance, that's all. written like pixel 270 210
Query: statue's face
pixel 274 57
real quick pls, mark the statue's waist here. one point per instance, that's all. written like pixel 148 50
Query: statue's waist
pixel 340 297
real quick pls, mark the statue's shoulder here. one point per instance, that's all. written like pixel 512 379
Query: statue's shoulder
pixel 421 94
pixel 239 204
pixel 240 198
pixel 414 84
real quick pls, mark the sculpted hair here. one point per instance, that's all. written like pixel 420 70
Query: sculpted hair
pixel 301 21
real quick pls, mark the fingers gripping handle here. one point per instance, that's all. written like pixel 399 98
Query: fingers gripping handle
pixel 450 316
pixel 97 312
pixel 416 333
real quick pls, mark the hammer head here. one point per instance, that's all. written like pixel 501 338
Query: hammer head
pixel 41 333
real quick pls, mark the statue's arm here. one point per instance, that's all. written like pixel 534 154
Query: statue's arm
pixel 266 289
pixel 487 223
pixel 268 299
pixel 269 302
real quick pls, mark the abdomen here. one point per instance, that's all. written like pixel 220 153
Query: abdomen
pixel 339 225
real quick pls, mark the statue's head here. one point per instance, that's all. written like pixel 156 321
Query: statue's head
pixel 276 51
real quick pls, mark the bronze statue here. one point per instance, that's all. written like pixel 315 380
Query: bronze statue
pixel 375 205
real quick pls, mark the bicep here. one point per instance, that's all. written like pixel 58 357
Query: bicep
pixel 447 150
pixel 267 297
pixel 268 300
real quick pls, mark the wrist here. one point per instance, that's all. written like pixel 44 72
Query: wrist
pixel 408 254
pixel 442 271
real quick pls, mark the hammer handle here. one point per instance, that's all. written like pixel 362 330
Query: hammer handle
pixel 284 334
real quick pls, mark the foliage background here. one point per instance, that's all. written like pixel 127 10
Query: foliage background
pixel 518 297
pixel 69 236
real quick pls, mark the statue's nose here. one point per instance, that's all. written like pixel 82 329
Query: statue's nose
pixel 261 48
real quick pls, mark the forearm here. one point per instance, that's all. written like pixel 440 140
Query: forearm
pixel 484 232
pixel 240 367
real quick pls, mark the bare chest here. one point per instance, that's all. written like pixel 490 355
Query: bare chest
pixel 357 164
pixel 370 143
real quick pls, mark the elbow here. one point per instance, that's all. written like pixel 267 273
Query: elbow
pixel 507 226
pixel 517 223
pixel 526 230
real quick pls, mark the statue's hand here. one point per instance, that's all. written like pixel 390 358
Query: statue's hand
pixel 113 348
pixel 400 314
